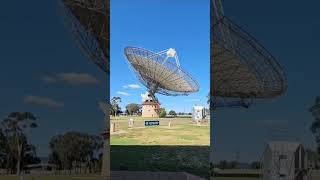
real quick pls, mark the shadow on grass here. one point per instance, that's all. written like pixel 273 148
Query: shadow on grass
pixel 191 159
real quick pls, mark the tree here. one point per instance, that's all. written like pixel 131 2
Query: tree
pixel 15 126
pixel 172 113
pixel 132 108
pixel 72 150
pixel 163 113
pixel 3 149
pixel 28 153
pixel 315 127
pixel 115 105
pixel 9 155
pixel 255 165
pixel 223 164
pixel 313 158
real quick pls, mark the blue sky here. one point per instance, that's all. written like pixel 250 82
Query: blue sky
pixel 159 25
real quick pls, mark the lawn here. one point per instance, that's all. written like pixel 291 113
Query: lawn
pixel 90 178
pixel 235 178
pixel 316 176
pixel 192 159
pixel 52 178
pixel 182 147
pixel 182 132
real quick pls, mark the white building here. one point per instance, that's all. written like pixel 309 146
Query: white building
pixel 198 113
pixel 284 161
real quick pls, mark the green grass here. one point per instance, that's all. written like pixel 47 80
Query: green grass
pixel 182 132
pixel 52 178
pixel 235 178
pixel 316 176
pixel 192 159
pixel 182 147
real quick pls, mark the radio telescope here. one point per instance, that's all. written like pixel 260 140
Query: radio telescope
pixel 160 73
pixel 242 70
pixel 89 24
pixel 88 21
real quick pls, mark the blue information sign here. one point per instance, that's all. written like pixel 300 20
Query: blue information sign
pixel 151 123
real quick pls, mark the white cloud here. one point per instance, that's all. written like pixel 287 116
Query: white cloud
pixel 49 79
pixel 43 101
pixel 71 79
pixel 123 93
pixel 193 100
pixel 132 86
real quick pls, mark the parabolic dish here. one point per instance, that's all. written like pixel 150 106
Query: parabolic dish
pixel 242 68
pixel 158 74
pixel 89 23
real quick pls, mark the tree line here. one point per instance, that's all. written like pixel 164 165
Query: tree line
pixel 76 152
pixel 236 165
pixel 135 109
pixel 16 152
pixel 315 128
pixel 72 152
pixel 131 108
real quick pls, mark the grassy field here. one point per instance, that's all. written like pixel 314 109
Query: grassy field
pixel 192 159
pixel 86 178
pixel 52 178
pixel 182 147
pixel 316 176
pixel 235 178
pixel 182 132
pixel 100 178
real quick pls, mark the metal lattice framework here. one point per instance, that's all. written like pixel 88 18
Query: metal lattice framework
pixel 242 70
pixel 88 21
pixel 159 73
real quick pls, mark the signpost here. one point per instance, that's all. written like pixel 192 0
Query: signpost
pixel 151 123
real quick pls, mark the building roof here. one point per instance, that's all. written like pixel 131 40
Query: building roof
pixel 198 107
pixel 284 146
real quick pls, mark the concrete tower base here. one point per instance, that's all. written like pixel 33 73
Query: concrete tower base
pixel 150 109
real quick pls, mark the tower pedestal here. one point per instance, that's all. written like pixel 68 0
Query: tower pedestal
pixel 151 109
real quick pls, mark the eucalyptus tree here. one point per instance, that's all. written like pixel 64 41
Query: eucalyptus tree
pixel 72 150
pixel 172 113
pixel 3 149
pixel 15 127
pixel 133 108
pixel 115 105
pixel 315 127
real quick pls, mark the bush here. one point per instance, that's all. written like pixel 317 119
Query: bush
pixel 172 113
pixel 163 113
